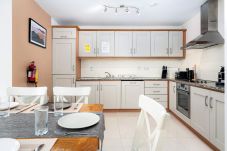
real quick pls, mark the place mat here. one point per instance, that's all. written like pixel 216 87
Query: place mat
pixel 22 126
pixel 22 109
pixel 31 144
pixel 74 108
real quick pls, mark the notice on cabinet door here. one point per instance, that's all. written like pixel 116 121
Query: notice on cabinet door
pixel 105 47
pixel 87 48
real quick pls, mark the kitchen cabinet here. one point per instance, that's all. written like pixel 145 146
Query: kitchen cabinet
pixel 131 90
pixel 175 43
pixel 158 91
pixel 110 94
pixel 87 43
pixel 94 95
pixel 200 110
pixel 217 125
pixel 160 43
pixel 207 115
pixel 141 44
pixel 64 56
pixel 64 33
pixel 64 81
pixel 172 96
pixel 123 44
pixel 105 43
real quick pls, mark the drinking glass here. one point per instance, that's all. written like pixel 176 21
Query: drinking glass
pixel 41 120
pixel 4 108
pixel 58 106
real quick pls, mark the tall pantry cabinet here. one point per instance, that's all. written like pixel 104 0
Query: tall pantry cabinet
pixel 64 57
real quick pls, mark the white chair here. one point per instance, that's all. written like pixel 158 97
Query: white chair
pixel 37 94
pixel 62 92
pixel 149 125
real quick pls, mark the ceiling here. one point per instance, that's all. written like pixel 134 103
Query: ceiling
pixel 91 12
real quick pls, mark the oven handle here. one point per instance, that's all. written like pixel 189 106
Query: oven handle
pixel 182 91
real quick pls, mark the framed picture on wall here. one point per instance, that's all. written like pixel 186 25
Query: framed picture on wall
pixel 37 33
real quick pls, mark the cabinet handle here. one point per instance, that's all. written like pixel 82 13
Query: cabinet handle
pixel 156 98
pixel 171 51
pixel 73 80
pixel 97 88
pixel 131 50
pixel 134 50
pixel 132 82
pixel 174 89
pixel 73 67
pixel 94 51
pixel 100 87
pixel 156 84
pixel 63 36
pixel 206 101
pixel 211 106
pixel 156 91
pixel 167 50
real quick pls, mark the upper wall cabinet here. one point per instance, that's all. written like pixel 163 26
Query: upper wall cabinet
pixel 64 33
pixel 175 43
pixel 87 43
pixel 123 44
pixel 160 43
pixel 141 44
pixel 105 43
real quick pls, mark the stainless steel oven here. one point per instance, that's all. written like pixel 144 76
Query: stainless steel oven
pixel 183 99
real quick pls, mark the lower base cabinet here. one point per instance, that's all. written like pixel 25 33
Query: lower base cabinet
pixel 94 95
pixel 131 90
pixel 110 94
pixel 207 115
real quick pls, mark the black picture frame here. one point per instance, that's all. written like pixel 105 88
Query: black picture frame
pixel 37 34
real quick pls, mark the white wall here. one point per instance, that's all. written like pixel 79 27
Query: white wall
pixel 6 46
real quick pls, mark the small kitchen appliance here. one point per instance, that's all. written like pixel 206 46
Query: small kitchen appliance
pixel 187 75
pixel 221 77
pixel 164 72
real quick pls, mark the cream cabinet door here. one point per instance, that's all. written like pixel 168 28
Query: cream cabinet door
pixel 105 43
pixel 175 43
pixel 160 43
pixel 200 118
pixel 141 44
pixel 87 43
pixel 64 81
pixel 110 94
pixel 64 33
pixel 217 125
pixel 131 90
pixel 172 96
pixel 94 95
pixel 64 56
pixel 123 44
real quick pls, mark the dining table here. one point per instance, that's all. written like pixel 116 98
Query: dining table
pixel 72 142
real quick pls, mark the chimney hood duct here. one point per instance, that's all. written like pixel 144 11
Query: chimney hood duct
pixel 209 27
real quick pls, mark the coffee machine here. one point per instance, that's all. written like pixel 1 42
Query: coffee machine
pixel 221 77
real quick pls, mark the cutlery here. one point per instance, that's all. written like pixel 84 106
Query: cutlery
pixel 25 108
pixel 21 107
pixel 76 107
pixel 71 133
pixel 38 148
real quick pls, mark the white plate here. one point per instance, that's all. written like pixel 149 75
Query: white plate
pixel 78 120
pixel 5 105
pixel 9 144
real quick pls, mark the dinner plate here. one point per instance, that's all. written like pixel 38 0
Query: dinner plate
pixel 5 105
pixel 78 120
pixel 9 144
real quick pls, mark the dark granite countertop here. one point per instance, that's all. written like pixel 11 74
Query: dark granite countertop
pixel 210 85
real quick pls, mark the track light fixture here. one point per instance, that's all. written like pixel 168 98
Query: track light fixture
pixel 127 9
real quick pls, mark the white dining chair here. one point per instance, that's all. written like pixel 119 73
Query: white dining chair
pixel 36 94
pixel 81 92
pixel 149 125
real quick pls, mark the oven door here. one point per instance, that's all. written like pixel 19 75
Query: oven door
pixel 183 102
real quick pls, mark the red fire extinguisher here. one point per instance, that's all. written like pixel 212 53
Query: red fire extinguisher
pixel 32 73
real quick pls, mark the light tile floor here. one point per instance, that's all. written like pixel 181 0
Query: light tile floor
pixel 120 127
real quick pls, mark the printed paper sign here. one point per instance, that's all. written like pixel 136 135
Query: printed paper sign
pixel 105 47
pixel 87 48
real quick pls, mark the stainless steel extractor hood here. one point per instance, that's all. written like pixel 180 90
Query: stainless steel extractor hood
pixel 209 27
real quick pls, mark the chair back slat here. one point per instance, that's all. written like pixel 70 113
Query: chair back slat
pixel 39 94
pixel 149 125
